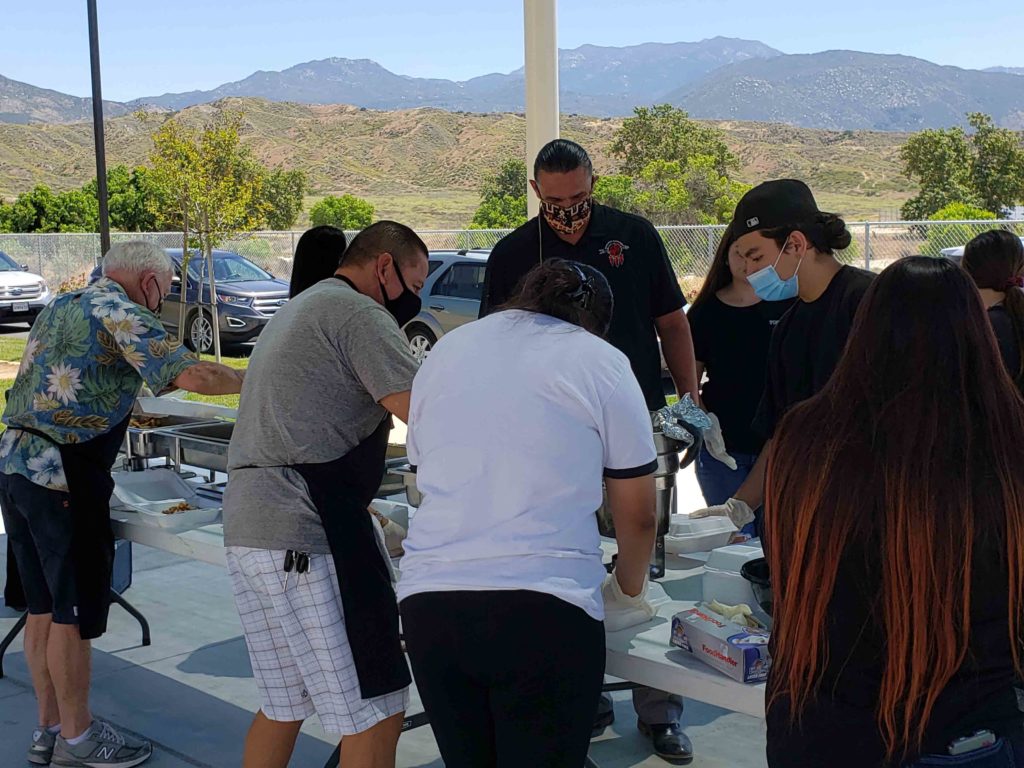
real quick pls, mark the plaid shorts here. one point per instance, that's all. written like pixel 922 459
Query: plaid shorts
pixel 294 628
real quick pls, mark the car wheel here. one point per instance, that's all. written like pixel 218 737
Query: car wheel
pixel 199 332
pixel 421 341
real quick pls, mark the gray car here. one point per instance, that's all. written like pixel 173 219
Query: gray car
pixel 451 297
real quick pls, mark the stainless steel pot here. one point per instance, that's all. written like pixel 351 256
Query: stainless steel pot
pixel 664 500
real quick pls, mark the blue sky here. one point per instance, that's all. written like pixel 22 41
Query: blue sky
pixel 197 44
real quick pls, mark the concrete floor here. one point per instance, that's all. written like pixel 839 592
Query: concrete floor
pixel 192 694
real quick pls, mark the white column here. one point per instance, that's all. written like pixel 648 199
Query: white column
pixel 541 40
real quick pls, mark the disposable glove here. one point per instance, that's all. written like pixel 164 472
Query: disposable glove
pixel 715 443
pixel 739 512
pixel 622 611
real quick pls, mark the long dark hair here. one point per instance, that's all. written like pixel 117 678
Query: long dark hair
pixel 317 256
pixel 719 274
pixel 917 461
pixel 827 232
pixel 567 290
pixel 995 260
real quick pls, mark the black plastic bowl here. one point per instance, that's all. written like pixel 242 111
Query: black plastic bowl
pixel 756 572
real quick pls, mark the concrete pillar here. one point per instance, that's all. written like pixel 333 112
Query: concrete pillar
pixel 541 41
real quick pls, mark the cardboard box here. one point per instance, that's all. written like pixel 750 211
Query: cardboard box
pixel 739 652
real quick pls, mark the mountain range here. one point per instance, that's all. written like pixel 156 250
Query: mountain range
pixel 720 78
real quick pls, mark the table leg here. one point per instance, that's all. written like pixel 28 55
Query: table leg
pixel 135 613
pixel 15 630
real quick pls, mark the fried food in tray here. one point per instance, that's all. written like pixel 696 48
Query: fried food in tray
pixel 183 506
pixel 146 421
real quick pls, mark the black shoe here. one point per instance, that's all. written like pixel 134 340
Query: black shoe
pixel 602 721
pixel 669 741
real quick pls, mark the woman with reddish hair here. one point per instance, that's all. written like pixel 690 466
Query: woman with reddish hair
pixel 895 539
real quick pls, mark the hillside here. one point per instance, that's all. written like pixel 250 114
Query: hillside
pixel 24 103
pixel 849 90
pixel 427 164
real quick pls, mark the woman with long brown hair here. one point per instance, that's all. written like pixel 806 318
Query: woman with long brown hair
pixel 895 538
pixel 995 261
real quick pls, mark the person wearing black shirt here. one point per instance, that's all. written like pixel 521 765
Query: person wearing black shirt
pixel 895 539
pixel 788 246
pixel 731 330
pixel 995 261
pixel 628 251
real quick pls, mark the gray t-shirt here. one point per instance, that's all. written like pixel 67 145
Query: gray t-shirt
pixel 311 395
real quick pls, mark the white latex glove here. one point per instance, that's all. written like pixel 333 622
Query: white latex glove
pixel 394 534
pixel 621 610
pixel 715 443
pixel 739 512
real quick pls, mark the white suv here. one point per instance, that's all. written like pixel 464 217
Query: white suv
pixel 23 295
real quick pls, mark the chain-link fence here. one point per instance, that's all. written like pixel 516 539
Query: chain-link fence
pixel 691 249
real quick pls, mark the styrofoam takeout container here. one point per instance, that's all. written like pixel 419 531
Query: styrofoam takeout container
pixel 153 512
pixel 722 580
pixel 151 492
pixel 686 535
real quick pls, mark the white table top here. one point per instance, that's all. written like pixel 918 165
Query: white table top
pixel 640 654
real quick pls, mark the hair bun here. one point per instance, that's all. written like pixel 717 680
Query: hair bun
pixel 837 236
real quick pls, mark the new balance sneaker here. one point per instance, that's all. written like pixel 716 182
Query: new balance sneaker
pixel 103 747
pixel 41 750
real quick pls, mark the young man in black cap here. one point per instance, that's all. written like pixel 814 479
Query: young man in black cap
pixel 789 248
pixel 629 252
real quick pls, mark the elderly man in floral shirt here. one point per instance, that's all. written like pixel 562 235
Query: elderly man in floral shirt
pixel 87 357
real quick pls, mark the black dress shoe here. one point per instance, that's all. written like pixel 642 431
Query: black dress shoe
pixel 670 742
pixel 605 716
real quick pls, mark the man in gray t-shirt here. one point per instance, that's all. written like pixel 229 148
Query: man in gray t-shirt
pixel 326 373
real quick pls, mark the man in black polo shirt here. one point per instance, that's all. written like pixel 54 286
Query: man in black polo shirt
pixel 629 252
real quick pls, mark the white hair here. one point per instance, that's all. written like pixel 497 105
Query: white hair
pixel 136 256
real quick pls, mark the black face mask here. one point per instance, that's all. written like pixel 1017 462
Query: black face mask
pixel 406 305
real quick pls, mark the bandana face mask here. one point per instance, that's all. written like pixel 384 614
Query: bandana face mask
pixel 570 220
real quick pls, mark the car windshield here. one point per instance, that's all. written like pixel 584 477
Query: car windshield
pixel 228 268
pixel 7 264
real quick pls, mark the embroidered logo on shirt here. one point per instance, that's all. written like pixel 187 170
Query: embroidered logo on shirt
pixel 616 252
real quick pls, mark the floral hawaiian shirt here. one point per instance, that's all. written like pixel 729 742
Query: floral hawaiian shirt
pixel 86 359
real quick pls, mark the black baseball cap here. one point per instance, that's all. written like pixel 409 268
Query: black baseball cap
pixel 777 203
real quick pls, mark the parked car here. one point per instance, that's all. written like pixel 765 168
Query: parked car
pixel 23 294
pixel 451 297
pixel 247 297
pixel 957 254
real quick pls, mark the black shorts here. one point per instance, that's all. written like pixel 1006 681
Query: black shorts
pixel 39 528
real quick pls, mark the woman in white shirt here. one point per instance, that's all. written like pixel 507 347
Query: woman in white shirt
pixel 515 421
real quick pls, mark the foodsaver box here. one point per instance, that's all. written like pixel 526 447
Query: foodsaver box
pixel 736 651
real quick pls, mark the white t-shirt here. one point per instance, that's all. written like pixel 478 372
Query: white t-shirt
pixel 514 420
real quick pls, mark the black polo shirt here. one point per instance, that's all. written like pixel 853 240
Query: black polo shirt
pixel 629 252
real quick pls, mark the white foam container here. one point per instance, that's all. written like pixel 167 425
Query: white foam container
pixel 686 535
pixel 722 580
pixel 152 491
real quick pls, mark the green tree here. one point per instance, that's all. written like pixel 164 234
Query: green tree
pixel 5 216
pixel 939 160
pixel 279 205
pixel 664 132
pixel 671 192
pixel 132 198
pixel 502 198
pixel 208 181
pixel 75 211
pixel 344 212
pixel 33 211
pixel 997 168
pixel 951 235
pixel 984 169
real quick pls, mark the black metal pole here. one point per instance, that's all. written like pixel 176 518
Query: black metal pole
pixel 97 128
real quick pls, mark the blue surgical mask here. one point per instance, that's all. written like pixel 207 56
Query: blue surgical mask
pixel 770 287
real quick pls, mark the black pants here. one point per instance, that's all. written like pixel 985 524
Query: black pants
pixel 509 679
